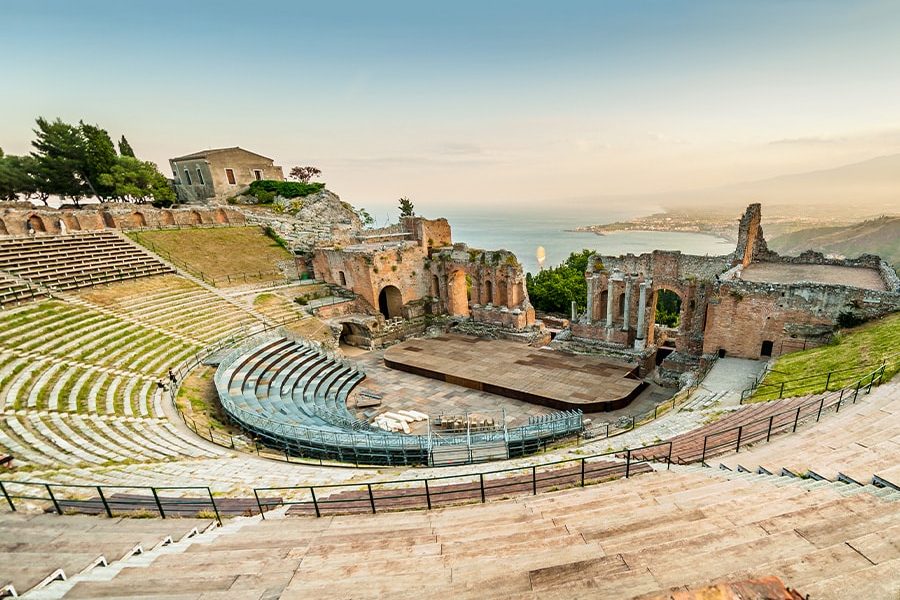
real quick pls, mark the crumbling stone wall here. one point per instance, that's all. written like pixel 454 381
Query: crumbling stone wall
pixel 488 286
pixel 17 221
pixel 742 315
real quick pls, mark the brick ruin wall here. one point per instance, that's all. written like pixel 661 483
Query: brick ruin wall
pixel 18 221
pixel 742 315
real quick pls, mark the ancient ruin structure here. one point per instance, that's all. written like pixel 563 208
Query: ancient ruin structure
pixel 20 218
pixel 413 269
pixel 751 304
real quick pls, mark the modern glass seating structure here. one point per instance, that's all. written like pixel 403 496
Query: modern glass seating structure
pixel 291 394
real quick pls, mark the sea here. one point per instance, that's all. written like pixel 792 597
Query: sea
pixel 522 234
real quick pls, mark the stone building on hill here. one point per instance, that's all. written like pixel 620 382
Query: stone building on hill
pixel 219 173
pixel 753 303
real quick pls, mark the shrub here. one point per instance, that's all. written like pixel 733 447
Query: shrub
pixel 270 188
pixel 163 203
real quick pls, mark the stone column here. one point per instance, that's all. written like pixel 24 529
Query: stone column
pixel 589 316
pixel 626 314
pixel 609 303
pixel 642 317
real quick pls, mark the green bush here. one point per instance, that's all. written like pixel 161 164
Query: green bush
pixel 269 188
pixel 163 203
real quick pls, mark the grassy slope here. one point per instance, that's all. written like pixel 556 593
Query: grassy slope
pixel 219 252
pixel 879 236
pixel 859 349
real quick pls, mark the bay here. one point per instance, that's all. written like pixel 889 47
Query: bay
pixel 522 234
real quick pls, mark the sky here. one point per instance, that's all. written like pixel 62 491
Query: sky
pixel 500 105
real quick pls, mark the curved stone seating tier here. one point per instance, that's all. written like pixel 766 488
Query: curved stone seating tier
pixel 179 305
pixel 294 397
pixel 642 537
pixel 858 445
pixel 66 440
pixel 65 262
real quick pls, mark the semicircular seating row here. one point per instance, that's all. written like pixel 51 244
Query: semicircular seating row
pixel 294 395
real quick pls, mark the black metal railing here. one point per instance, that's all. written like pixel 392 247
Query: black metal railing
pixel 820 382
pixel 787 420
pixel 424 493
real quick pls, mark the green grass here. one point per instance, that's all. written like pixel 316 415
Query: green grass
pixel 853 354
pixel 248 250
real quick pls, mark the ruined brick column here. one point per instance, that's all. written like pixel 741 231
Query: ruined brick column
pixel 626 313
pixel 609 304
pixel 589 313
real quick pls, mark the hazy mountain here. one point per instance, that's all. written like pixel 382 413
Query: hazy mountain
pixel 843 194
pixel 878 236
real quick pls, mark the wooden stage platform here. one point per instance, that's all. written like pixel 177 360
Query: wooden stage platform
pixel 556 379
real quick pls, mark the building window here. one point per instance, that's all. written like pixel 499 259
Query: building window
pixel 257 174
pixel 229 175
pixel 200 176
pixel 187 177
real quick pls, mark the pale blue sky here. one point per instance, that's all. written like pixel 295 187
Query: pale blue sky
pixel 469 102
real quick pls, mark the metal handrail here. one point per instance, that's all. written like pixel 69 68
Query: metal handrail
pixel 316 502
pixel 738 430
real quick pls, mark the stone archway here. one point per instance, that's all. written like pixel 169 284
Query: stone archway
pixel 167 217
pixel 457 294
pixel 221 217
pixel 488 292
pixel 71 222
pixel 196 219
pixel 108 220
pixel 390 302
pixel 667 309
pixel 138 220
pixel 3 230
pixel 36 223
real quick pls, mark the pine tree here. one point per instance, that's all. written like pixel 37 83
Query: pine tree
pixel 125 148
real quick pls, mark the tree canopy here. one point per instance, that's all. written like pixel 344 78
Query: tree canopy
pixel 304 174
pixel 406 207
pixel 78 161
pixel 554 289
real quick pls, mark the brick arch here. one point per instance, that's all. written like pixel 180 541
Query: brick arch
pixel 137 219
pixel 71 222
pixel 195 217
pixel 108 220
pixel 36 223
pixel 3 229
pixel 457 293
pixel 167 218
pixel 651 334
pixel 221 217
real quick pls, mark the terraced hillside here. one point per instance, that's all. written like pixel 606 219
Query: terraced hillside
pixel 224 256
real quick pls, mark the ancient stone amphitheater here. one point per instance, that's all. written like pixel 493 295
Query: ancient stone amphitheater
pixel 804 489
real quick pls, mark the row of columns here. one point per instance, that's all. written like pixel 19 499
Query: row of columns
pixel 644 288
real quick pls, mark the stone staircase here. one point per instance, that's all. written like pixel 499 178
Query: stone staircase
pixel 625 539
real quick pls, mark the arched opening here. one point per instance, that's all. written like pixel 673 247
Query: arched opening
pixel 71 222
pixel 221 217
pixel 138 220
pixel 108 220
pixel 468 288
pixel 767 347
pixel 196 219
pixel 722 352
pixel 3 230
pixel 342 279
pixel 488 292
pixel 435 287
pixel 457 297
pixel 604 300
pixel 167 217
pixel 36 224
pixel 668 309
pixel 390 302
